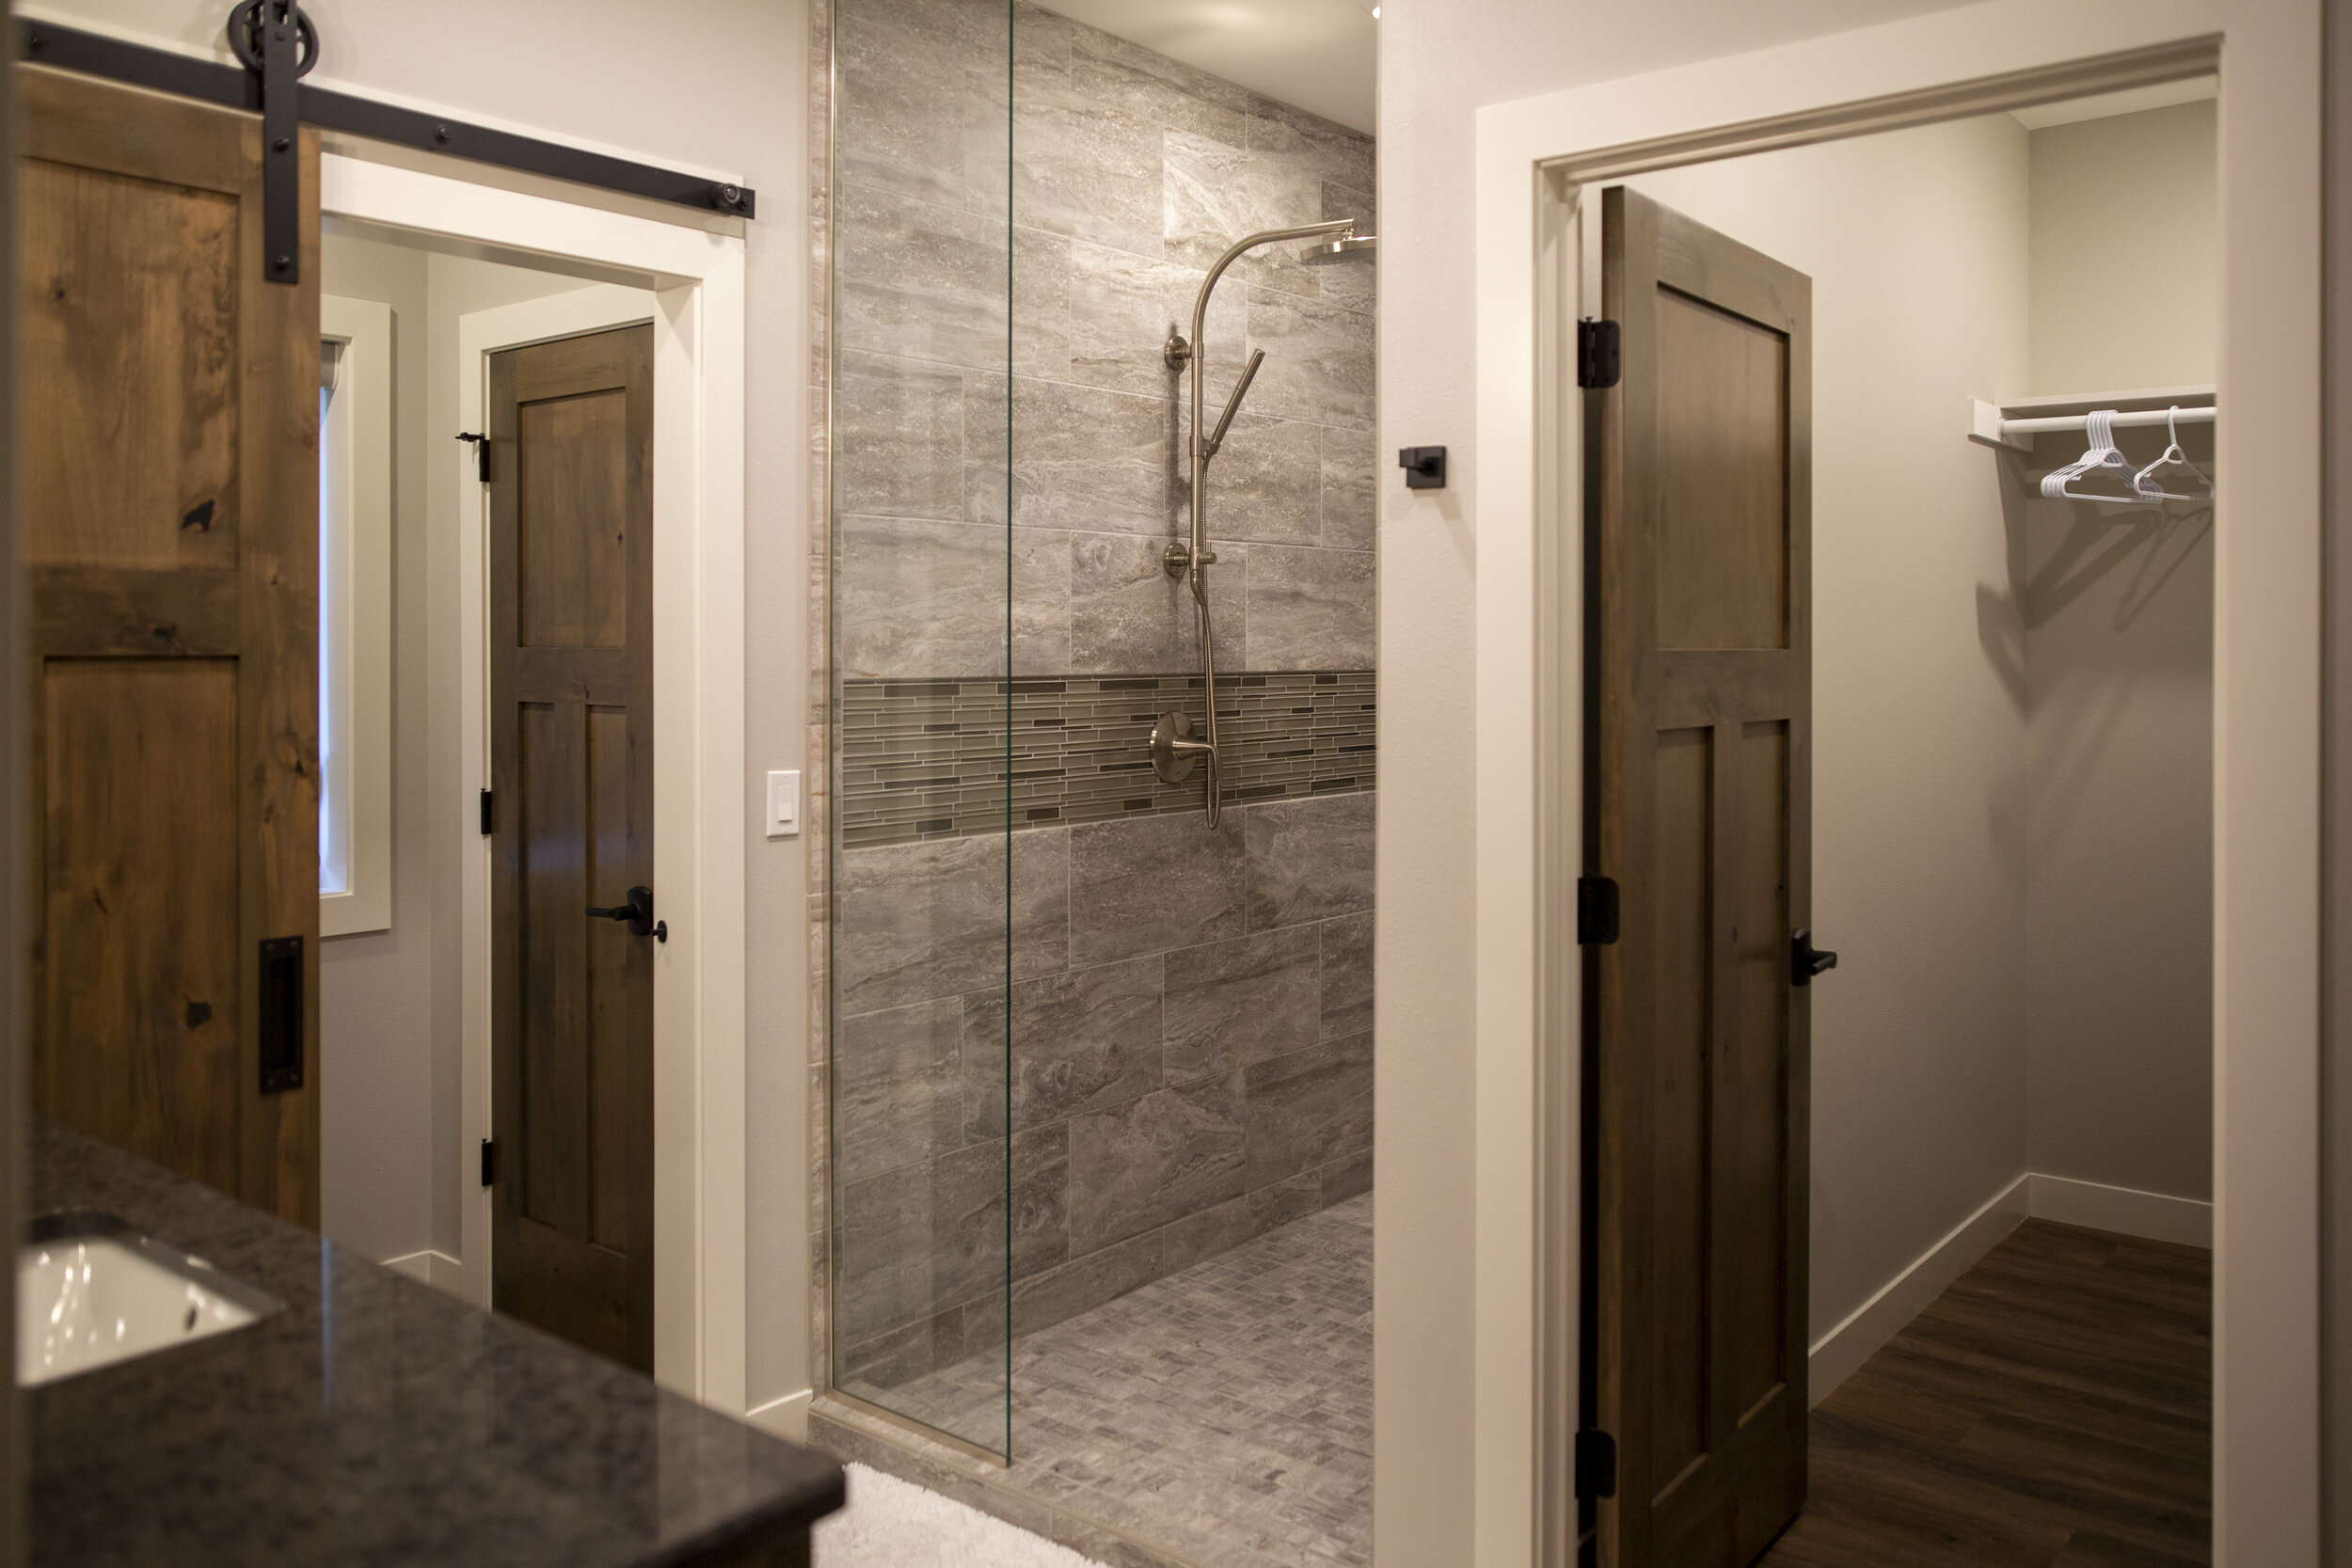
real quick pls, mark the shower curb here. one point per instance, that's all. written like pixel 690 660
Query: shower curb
pixel 850 1432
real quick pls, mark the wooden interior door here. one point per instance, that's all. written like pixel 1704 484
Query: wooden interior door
pixel 1699 710
pixel 170 543
pixel 571 758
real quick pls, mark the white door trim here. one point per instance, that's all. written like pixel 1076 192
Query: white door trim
pixel 693 281
pixel 2266 689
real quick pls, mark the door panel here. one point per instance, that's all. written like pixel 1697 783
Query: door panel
pixel 1722 545
pixel 1699 710
pixel 142 285
pixel 571 428
pixel 172 541
pixel 141 889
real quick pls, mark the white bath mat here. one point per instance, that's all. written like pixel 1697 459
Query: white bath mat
pixel 894 1524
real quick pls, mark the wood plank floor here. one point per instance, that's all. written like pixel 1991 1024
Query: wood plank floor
pixel 2052 1409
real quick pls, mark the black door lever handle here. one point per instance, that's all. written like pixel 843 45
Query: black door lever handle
pixel 638 911
pixel 1806 960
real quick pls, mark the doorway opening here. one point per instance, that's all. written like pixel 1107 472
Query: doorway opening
pixel 598 351
pixel 1869 669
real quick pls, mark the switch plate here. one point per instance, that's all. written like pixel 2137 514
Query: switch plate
pixel 783 802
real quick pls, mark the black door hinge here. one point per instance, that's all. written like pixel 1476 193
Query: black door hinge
pixel 487 817
pixel 490 1172
pixel 1595 910
pixel 1599 357
pixel 480 453
pixel 1596 1465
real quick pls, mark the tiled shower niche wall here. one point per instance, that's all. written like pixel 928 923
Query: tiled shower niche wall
pixel 1189 1011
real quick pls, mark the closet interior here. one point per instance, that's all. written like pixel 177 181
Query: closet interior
pixel 2014 497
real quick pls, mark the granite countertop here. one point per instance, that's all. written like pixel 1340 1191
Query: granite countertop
pixel 375 1421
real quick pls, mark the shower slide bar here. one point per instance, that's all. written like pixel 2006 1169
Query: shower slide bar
pixel 1175 750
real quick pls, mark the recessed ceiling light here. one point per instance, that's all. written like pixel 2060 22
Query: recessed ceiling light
pixel 1375 13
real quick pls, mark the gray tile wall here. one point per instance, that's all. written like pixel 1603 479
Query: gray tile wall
pixel 1182 1060
pixel 986 376
pixel 1090 1054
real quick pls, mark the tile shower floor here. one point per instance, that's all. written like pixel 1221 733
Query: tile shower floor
pixel 1223 1414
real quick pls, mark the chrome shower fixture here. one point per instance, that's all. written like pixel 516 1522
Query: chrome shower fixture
pixel 1347 248
pixel 1174 751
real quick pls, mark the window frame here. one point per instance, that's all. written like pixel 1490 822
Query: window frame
pixel 356 611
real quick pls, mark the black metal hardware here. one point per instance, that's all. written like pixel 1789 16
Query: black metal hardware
pixel 480 453
pixel 487 817
pixel 278 44
pixel 1599 353
pixel 638 911
pixel 1424 467
pixel 1806 960
pixel 1596 1465
pixel 93 55
pixel 1595 910
pixel 281 1020
pixel 489 1163
pixel 662 930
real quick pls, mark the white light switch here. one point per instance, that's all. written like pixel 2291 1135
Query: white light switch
pixel 783 802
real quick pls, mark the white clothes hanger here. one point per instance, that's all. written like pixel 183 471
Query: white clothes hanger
pixel 2098 425
pixel 2153 488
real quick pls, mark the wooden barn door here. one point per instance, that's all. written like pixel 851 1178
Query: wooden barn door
pixel 170 543
pixel 571 759
pixel 1699 708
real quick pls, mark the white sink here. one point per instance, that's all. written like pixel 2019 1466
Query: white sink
pixel 91 1290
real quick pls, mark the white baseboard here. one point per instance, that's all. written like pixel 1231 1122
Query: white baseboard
pixel 2125 1211
pixel 437 1269
pixel 786 1417
pixel 1839 1354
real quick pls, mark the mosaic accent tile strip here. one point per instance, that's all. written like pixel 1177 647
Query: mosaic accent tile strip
pixel 924 759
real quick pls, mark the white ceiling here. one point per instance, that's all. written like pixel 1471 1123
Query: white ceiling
pixel 1317 55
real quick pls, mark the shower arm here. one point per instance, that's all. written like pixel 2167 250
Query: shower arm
pixel 1192 560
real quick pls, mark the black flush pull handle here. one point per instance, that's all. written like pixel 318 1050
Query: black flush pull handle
pixel 638 911
pixel 1806 960
pixel 281 1014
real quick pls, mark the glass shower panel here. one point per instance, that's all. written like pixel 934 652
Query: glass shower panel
pixel 920 621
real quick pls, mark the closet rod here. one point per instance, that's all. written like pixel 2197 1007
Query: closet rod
pixel 2140 418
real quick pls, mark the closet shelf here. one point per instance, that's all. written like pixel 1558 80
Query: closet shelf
pixel 2014 422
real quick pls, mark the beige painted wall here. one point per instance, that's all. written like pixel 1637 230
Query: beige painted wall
pixel 719 86
pixel 2126 249
pixel 1916 245
pixel 378 1011
pixel 2119 658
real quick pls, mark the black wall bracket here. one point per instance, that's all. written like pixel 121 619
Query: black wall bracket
pixel 1424 467
pixel 242 87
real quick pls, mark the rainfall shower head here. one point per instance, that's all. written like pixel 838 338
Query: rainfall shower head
pixel 1347 248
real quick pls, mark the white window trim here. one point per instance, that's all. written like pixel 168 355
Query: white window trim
pixel 700 1129
pixel 355 590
